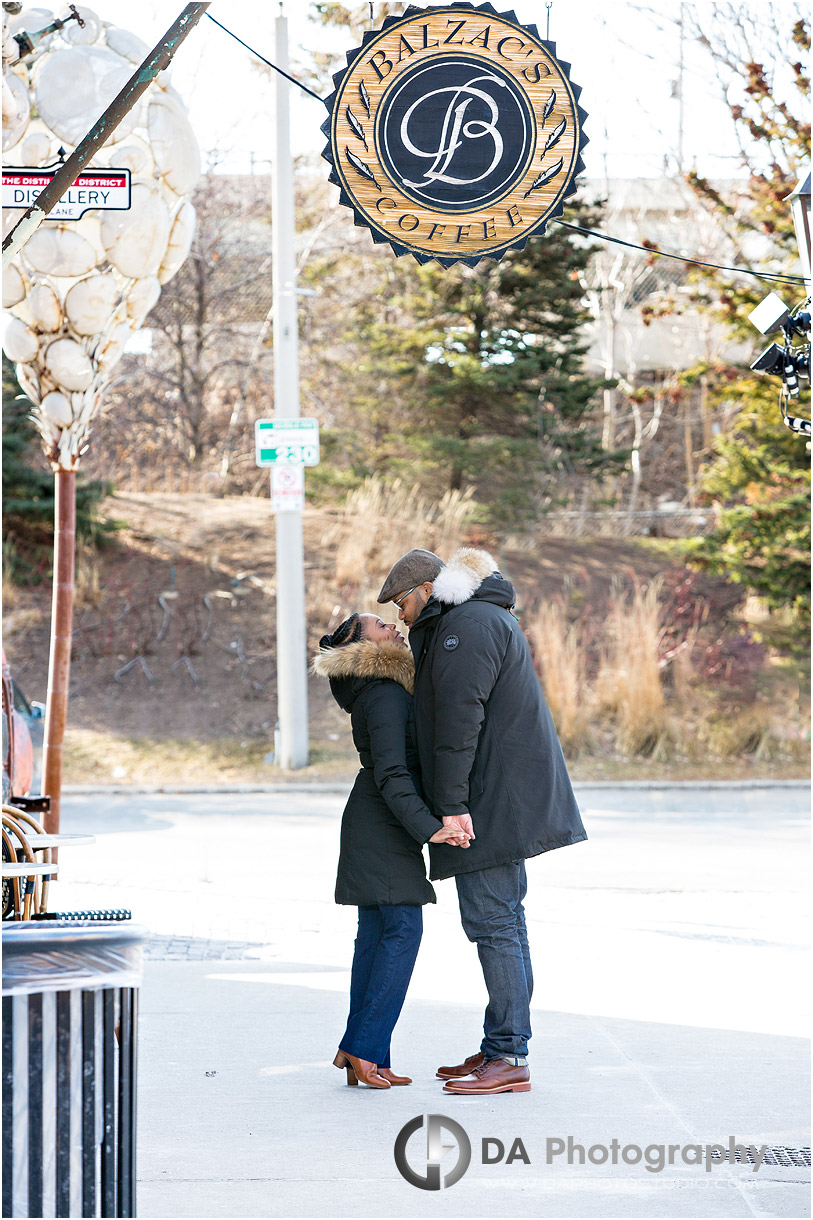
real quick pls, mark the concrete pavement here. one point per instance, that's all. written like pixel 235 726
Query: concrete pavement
pixel 670 1009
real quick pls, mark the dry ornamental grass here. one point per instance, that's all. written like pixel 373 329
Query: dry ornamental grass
pixel 381 521
pixel 562 662
pixel 628 688
pixel 629 679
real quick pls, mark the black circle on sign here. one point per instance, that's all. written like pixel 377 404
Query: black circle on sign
pixel 455 133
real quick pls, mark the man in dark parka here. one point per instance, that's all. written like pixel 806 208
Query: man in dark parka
pixel 491 763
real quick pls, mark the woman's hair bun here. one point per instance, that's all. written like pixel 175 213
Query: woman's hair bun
pixel 348 632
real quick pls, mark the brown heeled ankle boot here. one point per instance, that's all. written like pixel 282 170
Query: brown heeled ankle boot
pixel 360 1070
pixel 389 1075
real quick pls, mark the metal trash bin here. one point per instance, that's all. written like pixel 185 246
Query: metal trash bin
pixel 70 1018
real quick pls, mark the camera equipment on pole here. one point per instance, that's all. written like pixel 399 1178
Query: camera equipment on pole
pixel 788 361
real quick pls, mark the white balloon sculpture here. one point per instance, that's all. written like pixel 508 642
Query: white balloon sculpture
pixel 77 291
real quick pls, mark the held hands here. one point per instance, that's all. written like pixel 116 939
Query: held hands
pixel 456 831
pixel 451 835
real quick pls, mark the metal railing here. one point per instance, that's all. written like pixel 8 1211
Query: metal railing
pixel 70 1018
pixel 623 523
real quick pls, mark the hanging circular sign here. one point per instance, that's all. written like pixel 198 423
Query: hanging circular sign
pixel 454 133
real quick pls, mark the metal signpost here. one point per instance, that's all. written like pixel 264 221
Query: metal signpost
pixel 292 672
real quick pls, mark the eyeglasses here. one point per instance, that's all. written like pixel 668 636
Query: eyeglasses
pixel 399 601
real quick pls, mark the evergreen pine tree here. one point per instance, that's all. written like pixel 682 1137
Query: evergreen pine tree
pixel 475 374
pixel 27 483
pixel 761 476
pixel 28 489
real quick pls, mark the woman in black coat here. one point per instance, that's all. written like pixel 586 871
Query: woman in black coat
pixel 384 826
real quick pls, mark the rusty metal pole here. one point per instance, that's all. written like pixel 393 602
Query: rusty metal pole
pixel 59 661
pixel 158 59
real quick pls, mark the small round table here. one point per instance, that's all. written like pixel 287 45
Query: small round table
pixel 39 842
pixel 28 870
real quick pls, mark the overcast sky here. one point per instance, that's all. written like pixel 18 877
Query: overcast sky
pixel 625 65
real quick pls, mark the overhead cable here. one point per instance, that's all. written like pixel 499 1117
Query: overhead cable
pixel 262 58
pixel 779 276
pixel 776 276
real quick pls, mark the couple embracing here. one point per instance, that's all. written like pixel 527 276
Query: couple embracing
pixel 457 750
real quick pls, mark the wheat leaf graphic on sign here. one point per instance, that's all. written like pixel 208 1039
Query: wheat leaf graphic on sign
pixel 365 97
pixel 360 167
pixel 544 178
pixel 555 136
pixel 549 104
pixel 357 127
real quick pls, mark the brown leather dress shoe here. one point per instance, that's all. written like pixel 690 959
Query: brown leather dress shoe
pixel 493 1076
pixel 463 1069
pixel 389 1075
pixel 360 1070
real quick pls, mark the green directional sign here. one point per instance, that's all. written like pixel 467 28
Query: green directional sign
pixel 291 441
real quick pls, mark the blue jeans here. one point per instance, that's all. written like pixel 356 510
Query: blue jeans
pixel 387 944
pixel 493 917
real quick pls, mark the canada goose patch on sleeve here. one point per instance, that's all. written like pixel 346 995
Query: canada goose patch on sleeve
pixel 451 642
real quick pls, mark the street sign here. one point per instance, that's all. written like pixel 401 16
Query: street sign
pixel 287 488
pixel 292 441
pixel 105 189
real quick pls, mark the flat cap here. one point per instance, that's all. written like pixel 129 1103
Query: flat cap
pixel 411 569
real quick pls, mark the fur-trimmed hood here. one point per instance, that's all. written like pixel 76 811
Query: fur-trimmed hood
pixel 367 659
pixel 462 576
